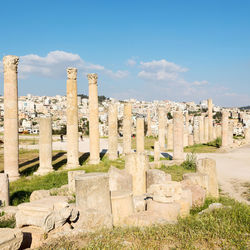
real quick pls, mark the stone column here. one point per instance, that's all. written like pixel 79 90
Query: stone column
pixel 149 130
pixel 196 131
pixel 218 131
pixel 201 129
pixel 190 140
pixel 45 146
pixel 4 190
pixel 10 64
pixel 140 135
pixel 224 128
pixel 72 120
pixel 161 128
pixel 157 151
pixel 247 134
pixel 136 164
pixel 178 136
pixel 127 127
pixel 230 133
pixel 113 140
pixel 170 136
pixel 206 129
pixel 210 119
pixel 94 140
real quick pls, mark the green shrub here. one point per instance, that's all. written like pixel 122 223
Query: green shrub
pixel 190 162
pixel 216 143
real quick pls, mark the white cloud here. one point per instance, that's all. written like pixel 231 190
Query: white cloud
pixel 200 83
pixel 54 65
pixel 131 62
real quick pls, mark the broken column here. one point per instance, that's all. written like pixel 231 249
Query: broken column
pixel 161 128
pixel 136 164
pixel 4 190
pixel 208 166
pixel 170 136
pixel 149 129
pixel 112 126
pixel 127 126
pixel 10 64
pixel 94 141
pixel 201 129
pixel 178 153
pixel 206 129
pixel 140 135
pixel 157 151
pixel 210 119
pixel 224 132
pixel 45 146
pixel 93 201
pixel 72 120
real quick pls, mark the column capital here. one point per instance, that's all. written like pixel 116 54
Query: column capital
pixel 72 73
pixel 10 63
pixel 92 78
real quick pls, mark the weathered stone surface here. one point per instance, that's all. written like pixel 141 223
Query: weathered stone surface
pixel 4 190
pixel 139 203
pixel 122 206
pixel 168 192
pixel 208 167
pixel 161 128
pixel 144 219
pixel 184 206
pixel 178 128
pixel 71 179
pixel 140 135
pixel 93 200
pixel 155 176
pixel 33 237
pixel 137 164
pixel 224 132
pixel 166 211
pixel 198 193
pixel 187 194
pixel 198 179
pixel 39 194
pixel 46 213
pixel 119 179
pixel 112 132
pixel 212 207
pixel 210 119
pixel 157 151
pixel 127 127
pixel 170 136
pixel 10 239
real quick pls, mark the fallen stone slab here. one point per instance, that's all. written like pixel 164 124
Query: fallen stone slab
pixel 10 239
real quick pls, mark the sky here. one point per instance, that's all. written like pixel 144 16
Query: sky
pixel 145 49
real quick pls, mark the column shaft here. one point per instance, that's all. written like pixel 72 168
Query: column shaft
pixel 178 125
pixel 112 140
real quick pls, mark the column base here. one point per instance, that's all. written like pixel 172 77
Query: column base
pixel 13 178
pixel 94 161
pixel 44 171
pixel 72 166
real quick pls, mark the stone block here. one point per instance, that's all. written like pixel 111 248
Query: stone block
pixel 4 190
pixel 184 206
pixel 71 180
pixel 155 176
pixel 139 203
pixel 168 211
pixel 119 179
pixel 208 167
pixel 198 179
pixel 10 239
pixel 122 206
pixel 39 194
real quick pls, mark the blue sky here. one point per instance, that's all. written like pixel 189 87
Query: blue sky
pixel 168 50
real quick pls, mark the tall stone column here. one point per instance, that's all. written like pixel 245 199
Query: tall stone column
pixel 113 140
pixel 140 135
pixel 94 140
pixel 72 120
pixel 196 131
pixel 161 128
pixel 224 128
pixel 149 130
pixel 218 131
pixel 178 125
pixel 45 146
pixel 206 129
pixel 157 151
pixel 127 127
pixel 230 133
pixel 201 129
pixel 11 146
pixel 170 136
pixel 210 119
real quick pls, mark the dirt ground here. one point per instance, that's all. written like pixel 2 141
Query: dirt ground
pixel 233 170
